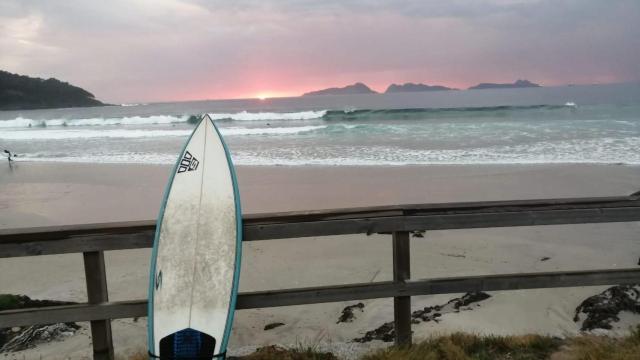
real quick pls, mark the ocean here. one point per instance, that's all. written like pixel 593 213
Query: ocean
pixel 568 124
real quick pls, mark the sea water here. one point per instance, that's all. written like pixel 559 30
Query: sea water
pixel 568 124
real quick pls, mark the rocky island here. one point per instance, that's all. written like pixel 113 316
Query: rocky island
pixel 19 92
pixel 517 84
pixel 357 88
pixel 411 87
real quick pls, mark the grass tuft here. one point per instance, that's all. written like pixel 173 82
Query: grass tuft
pixel 460 346
pixel 276 352
pixel 591 347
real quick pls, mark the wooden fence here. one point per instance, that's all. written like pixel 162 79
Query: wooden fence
pixel 93 239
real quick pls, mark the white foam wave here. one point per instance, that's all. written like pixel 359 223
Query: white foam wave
pixel 111 158
pixel 21 122
pixel 257 116
pixel 54 134
pixel 131 120
pixel 59 134
pixel 592 151
pixel 601 151
pixel 231 131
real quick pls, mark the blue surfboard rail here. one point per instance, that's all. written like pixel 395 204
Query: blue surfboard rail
pixel 236 274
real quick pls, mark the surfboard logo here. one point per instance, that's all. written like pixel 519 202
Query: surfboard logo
pixel 159 280
pixel 188 163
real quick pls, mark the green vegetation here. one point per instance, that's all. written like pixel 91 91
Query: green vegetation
pixel 276 352
pixel 19 92
pixel 461 346
pixel 11 302
pixel 602 348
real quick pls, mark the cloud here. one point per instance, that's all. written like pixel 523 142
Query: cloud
pixel 152 50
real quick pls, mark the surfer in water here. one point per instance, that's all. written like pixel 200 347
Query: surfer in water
pixel 10 156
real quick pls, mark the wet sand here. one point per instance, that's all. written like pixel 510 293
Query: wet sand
pixel 37 194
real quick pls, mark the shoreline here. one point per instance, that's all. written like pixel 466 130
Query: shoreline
pixel 43 194
pixel 50 194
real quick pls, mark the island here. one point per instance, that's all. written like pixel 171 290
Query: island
pixel 517 84
pixel 357 88
pixel 411 87
pixel 19 92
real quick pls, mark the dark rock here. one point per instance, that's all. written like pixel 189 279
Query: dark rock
pixel 545 258
pixel 517 84
pixel 19 92
pixel 347 313
pixel 13 302
pixel 470 298
pixel 411 87
pixel 602 310
pixel 357 88
pixel 272 326
pixel 386 331
pixel 20 338
pixel 30 336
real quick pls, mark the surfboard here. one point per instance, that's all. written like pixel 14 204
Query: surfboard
pixel 195 261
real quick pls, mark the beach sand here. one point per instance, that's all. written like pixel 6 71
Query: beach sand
pixel 38 194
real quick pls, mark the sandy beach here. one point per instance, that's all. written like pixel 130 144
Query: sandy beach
pixel 39 194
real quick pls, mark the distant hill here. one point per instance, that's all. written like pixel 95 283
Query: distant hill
pixel 411 87
pixel 357 88
pixel 517 84
pixel 19 92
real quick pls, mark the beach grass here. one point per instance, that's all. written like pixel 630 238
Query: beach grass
pixel 462 346
pixel 591 347
pixel 280 353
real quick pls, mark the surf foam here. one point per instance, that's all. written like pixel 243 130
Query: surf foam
pixel 258 116
pixel 21 122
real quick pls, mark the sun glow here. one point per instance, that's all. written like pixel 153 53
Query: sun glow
pixel 265 95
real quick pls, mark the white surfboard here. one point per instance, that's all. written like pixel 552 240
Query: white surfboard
pixel 195 262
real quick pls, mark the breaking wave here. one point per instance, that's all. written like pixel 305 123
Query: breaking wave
pixel 131 120
pixel 327 115
pixel 59 134
pixel 257 116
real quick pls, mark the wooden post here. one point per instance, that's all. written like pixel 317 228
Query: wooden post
pixel 96 277
pixel 401 273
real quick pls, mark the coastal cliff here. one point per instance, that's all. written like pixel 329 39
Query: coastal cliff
pixel 19 92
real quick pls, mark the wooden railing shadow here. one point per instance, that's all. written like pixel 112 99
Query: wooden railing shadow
pixel 93 239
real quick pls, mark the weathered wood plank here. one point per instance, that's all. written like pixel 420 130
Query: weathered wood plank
pixel 129 227
pixel 79 243
pixel 73 313
pixel 97 293
pixel 139 234
pixel 437 286
pixel 349 292
pixel 402 273
pixel 439 222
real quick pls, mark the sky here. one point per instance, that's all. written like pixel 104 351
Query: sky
pixel 127 51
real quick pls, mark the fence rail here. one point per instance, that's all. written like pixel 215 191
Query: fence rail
pixel 93 239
